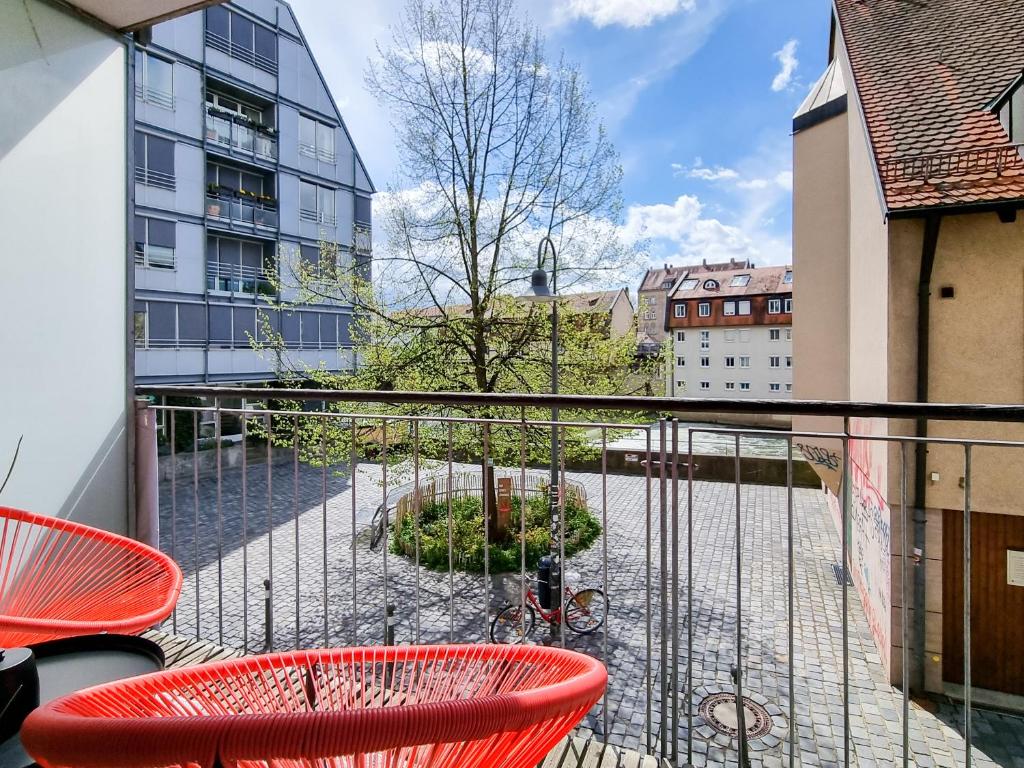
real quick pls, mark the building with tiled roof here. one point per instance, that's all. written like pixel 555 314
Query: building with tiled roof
pixel 908 181
pixel 652 296
pixel 731 334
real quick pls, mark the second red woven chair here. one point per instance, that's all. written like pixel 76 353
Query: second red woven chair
pixel 483 706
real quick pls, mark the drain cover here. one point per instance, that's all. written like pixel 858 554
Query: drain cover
pixel 719 711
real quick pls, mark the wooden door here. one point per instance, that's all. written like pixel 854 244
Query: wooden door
pixel 997 609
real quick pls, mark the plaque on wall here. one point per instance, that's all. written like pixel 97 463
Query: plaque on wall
pixel 1015 567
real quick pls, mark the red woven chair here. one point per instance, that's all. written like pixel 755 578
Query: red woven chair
pixel 61 579
pixel 475 706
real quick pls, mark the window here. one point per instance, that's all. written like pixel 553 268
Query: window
pixel 705 339
pixel 744 335
pixel 154 79
pixel 1011 115
pixel 729 308
pixel 745 386
pixel 730 362
pixel 789 387
pixel 680 384
pixel 774 388
pixel 704 309
pixel 743 307
pixel 730 385
pixel 154 243
pixel 789 334
pixel 154 161
pixel 223 103
pixel 705 362
pixel 316 139
pixel 774 334
pixel 363 215
pixel 789 361
pixel 681 361
pixel 680 335
pixel 710 285
pixel 705 386
pixel 316 203
pixel 789 306
pixel 667 284
pixel 739 281
pixel 744 362
pixel 238 266
pixel 239 37
pixel 774 362
pixel 788 279
pixel 140 328
pixel 679 310
pixel 688 285
pixel 774 306
pixel 730 336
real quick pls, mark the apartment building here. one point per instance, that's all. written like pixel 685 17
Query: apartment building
pixel 908 182
pixel 242 166
pixel 652 298
pixel 731 334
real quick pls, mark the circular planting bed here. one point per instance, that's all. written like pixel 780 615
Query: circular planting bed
pixel 464 518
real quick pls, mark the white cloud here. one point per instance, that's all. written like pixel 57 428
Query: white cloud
pixel 788 62
pixel 627 13
pixel 700 171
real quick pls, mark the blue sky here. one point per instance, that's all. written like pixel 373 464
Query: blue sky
pixel 698 96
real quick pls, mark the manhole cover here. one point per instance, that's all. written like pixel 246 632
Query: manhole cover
pixel 719 711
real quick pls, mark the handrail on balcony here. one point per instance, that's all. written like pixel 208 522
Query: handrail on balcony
pixel 943 165
pixel 227 206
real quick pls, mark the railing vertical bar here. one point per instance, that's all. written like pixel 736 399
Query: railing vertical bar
pixel 663 578
pixel 604 568
pixel 904 630
pixel 269 629
pixel 295 517
pixel 741 726
pixel 417 504
pixel 844 536
pixel 647 584
pixel 674 731
pixel 967 606
pixel 220 524
pixel 384 519
pixel 323 500
pixel 689 597
pixel 487 524
pixel 245 534
pixel 790 602
pixel 451 564
pixel 559 600
pixel 352 460
pixel 522 521
pixel 195 509
pixel 172 417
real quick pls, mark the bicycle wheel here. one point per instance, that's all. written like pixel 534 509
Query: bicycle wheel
pixel 508 625
pixel 586 611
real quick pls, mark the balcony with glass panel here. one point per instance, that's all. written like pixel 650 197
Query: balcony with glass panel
pixel 235 133
pixel 238 207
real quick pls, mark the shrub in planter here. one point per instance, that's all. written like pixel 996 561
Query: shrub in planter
pixel 467 525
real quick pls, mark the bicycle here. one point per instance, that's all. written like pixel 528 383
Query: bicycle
pixel 584 612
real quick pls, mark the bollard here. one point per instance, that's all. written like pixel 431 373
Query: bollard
pixel 268 618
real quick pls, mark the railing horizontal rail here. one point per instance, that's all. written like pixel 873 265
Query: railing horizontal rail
pixel 936 411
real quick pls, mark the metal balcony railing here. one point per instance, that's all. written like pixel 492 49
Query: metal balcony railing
pixel 156 96
pixel 155 256
pixel 715 548
pixel 236 278
pixel 240 52
pixel 153 178
pixel 320 217
pixel 227 130
pixel 951 165
pixel 241 210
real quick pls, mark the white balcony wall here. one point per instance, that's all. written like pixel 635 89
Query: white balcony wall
pixel 64 387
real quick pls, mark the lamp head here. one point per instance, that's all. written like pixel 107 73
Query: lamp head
pixel 539 288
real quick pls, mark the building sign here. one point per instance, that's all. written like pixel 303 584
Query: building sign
pixel 1015 567
pixel 632 458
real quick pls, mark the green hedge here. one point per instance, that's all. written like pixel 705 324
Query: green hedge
pixel 581 531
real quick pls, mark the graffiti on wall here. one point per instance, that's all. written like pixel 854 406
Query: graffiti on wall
pixel 870 533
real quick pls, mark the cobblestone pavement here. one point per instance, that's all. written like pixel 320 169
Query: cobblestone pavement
pixel 341 590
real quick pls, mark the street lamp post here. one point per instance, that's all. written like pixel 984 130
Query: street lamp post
pixel 541 291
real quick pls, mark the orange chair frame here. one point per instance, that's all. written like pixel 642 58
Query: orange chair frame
pixel 61 579
pixel 399 706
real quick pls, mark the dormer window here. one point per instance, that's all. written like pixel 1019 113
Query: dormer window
pixel 739 281
pixel 710 285
pixel 1010 108
pixel 667 284
pixel 688 285
pixel 788 279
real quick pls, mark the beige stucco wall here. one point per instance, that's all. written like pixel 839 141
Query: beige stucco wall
pixel 622 316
